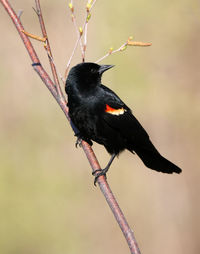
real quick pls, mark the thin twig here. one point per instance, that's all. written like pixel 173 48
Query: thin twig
pixel 129 42
pixel 81 31
pixel 48 48
pixel 89 6
pixel 111 51
pixel 70 59
pixel 35 37
pixel 71 6
pixel 128 233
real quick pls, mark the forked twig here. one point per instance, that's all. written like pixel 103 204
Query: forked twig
pixel 80 31
pixel 128 233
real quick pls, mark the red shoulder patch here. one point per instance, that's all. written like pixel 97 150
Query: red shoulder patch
pixel 113 111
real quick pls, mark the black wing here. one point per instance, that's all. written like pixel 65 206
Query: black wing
pixel 137 138
pixel 124 122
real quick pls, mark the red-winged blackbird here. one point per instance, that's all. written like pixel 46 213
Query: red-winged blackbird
pixel 100 115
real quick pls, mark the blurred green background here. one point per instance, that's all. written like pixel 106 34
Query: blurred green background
pixel 48 203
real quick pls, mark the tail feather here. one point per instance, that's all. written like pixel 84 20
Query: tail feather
pixel 154 160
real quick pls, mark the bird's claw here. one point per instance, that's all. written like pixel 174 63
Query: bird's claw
pixel 102 172
pixel 78 142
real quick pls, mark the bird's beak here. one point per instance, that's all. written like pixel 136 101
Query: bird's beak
pixel 104 68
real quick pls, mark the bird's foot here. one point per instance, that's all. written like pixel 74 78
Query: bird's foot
pixel 81 138
pixel 78 142
pixel 102 172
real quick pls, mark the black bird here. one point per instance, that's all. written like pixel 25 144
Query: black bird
pixel 100 115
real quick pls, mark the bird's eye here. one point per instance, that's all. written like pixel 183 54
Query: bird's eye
pixel 93 71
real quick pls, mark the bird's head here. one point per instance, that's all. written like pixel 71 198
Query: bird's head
pixel 87 75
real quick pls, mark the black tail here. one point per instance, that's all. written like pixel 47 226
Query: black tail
pixel 154 160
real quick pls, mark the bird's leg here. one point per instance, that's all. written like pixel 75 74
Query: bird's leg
pixel 103 171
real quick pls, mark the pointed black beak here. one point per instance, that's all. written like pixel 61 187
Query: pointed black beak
pixel 104 68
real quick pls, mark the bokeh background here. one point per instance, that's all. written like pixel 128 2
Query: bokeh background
pixel 48 203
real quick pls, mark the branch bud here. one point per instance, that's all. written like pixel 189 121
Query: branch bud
pixel 80 30
pixel 71 7
pixel 88 17
pixel 110 51
pixel 88 6
pixel 130 38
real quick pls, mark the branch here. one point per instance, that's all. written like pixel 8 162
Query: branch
pixel 128 233
pixel 48 48
pixel 129 42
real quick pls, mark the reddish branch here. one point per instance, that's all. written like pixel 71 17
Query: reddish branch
pixel 57 94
